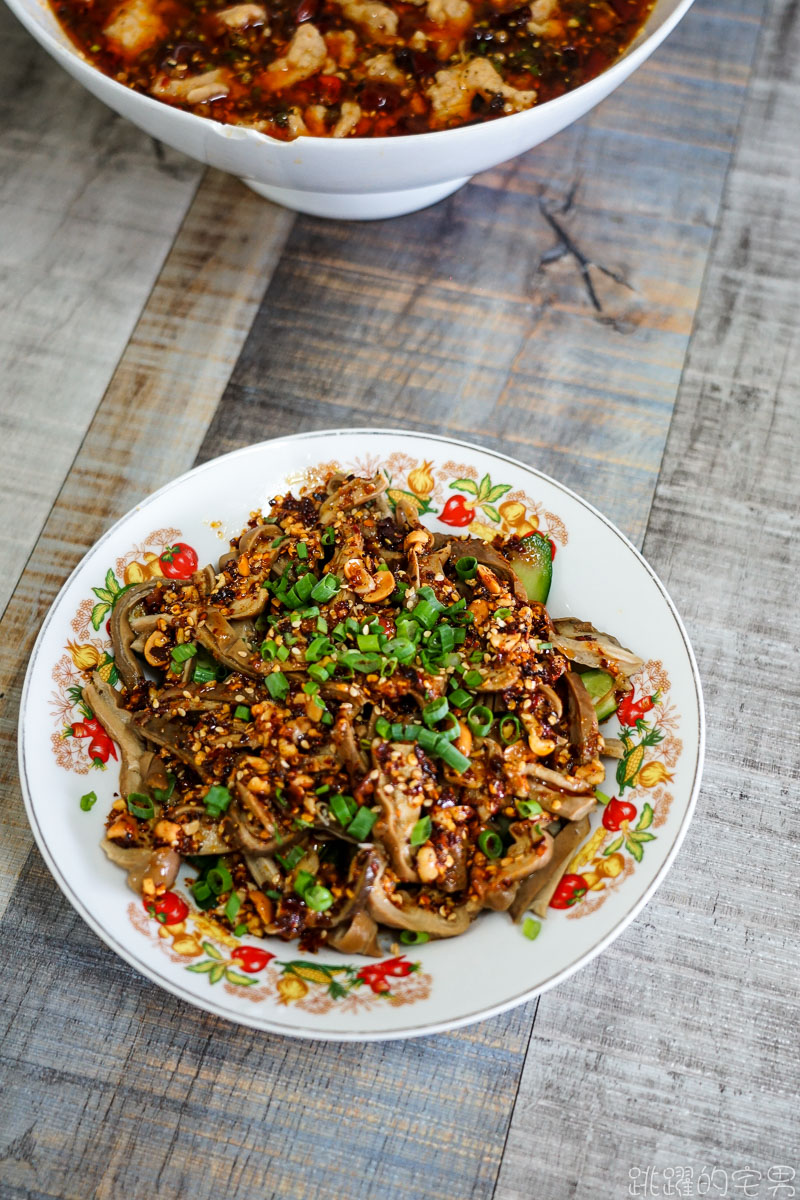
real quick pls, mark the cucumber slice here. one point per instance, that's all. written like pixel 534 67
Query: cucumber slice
pixel 533 565
pixel 600 686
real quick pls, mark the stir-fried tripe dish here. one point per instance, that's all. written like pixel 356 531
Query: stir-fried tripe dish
pixel 352 68
pixel 353 723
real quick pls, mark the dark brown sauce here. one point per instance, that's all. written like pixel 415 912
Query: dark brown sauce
pixel 183 39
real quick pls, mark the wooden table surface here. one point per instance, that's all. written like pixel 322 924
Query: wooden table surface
pixel 619 307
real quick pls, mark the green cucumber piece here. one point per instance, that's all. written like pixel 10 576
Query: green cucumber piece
pixel 532 563
pixel 600 686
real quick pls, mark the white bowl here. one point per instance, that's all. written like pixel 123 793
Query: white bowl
pixel 359 178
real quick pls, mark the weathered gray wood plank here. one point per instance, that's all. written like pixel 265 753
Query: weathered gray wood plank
pixel 89 207
pixel 678 1048
pixel 128 1092
pixel 473 317
pixel 147 429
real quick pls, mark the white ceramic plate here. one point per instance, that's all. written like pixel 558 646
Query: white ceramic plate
pixel 598 576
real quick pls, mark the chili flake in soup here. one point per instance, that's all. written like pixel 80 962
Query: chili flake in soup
pixel 352 68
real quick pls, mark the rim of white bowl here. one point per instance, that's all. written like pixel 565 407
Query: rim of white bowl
pixel 442 1026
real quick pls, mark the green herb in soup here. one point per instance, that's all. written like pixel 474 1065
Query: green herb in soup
pixel 352 68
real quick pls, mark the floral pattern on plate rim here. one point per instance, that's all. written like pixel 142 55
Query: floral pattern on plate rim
pixel 454 494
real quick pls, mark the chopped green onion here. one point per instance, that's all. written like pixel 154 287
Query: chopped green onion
pixel 473 679
pixel 442 640
pixel 318 898
pixel 452 756
pixel 436 711
pixel 322 625
pixel 277 542
pixel 241 929
pixel 531 928
pixel 427 738
pixel 406 628
pixel 476 656
pixel 425 614
pixel 343 808
pixel 545 646
pixel 427 593
pixel 510 729
pixel 203 895
pixel 452 729
pixel 163 794
pixel 368 641
pixel 292 858
pixel 467 567
pixel 277 686
pixel 413 937
pixel 183 653
pixel 325 588
pixel 203 674
pixel 329 537
pixel 318 648
pixel 219 879
pixel 233 905
pixel 382 727
pixel 368 664
pixel 528 809
pixel 88 801
pixel 304 588
pixel 279 797
pixel 479 719
pixel 361 824
pixel 457 607
pixel 303 881
pixel 502 614
pixel 302 550
pixel 420 832
pixel 318 671
pixel 490 843
pixel 268 651
pixel 320 791
pixel 460 698
pixel 216 800
pixel 339 632
pixel 241 713
pixel 140 805
pixel 273 895
pixel 402 648
pixel 282 653
pixel 311 689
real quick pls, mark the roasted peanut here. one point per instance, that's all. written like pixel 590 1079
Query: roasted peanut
pixel 384 586
pixel 464 740
pixel 418 539
pixel 489 580
pixel 168 831
pixel 263 906
pixel 427 867
pixel 154 650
